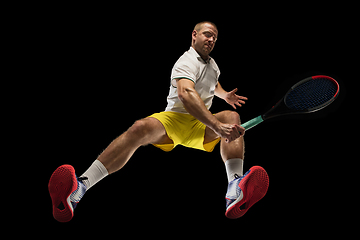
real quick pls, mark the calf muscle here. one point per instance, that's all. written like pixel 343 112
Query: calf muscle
pixel 142 132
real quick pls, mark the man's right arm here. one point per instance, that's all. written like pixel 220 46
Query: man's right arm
pixel 196 107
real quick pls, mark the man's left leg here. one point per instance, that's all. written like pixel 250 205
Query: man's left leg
pixel 243 190
pixel 232 153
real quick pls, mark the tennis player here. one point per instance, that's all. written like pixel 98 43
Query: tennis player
pixel 186 121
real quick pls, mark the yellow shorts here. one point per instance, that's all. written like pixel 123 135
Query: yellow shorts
pixel 183 129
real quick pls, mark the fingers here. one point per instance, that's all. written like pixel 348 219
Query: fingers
pixel 243 98
pixel 240 98
pixel 241 130
pixel 234 91
pixel 236 132
pixel 239 101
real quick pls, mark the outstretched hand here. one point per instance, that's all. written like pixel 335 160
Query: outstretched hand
pixel 233 99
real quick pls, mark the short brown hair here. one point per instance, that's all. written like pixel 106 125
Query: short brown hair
pixel 199 26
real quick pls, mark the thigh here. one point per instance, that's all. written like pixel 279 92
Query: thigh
pixel 156 131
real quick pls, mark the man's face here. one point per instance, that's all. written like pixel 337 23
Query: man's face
pixel 204 40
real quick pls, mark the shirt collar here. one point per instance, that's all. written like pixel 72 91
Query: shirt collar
pixel 198 56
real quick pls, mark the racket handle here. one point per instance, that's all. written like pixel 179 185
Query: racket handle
pixel 253 122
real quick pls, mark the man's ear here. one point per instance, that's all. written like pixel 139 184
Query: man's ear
pixel 194 34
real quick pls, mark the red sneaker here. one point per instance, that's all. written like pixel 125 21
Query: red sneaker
pixel 65 190
pixel 245 191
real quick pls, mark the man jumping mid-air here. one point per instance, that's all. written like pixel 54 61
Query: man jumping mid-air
pixel 186 121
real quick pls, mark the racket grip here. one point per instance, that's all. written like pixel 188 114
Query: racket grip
pixel 253 122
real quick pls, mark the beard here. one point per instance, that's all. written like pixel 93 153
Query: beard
pixel 206 49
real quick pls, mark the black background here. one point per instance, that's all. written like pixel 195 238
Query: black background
pixel 103 67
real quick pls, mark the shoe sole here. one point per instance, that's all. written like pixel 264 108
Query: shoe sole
pixel 254 187
pixel 62 183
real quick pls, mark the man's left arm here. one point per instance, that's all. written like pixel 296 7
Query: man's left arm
pixel 230 97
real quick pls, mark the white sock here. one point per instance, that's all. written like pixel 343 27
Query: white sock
pixel 95 173
pixel 234 166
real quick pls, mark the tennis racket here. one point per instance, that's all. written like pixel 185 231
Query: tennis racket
pixel 309 95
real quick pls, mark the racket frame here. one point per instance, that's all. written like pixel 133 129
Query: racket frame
pixel 280 108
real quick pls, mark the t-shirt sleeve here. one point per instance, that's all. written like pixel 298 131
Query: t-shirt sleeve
pixel 183 69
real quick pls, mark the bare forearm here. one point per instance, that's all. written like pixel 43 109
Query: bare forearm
pixel 220 92
pixel 196 107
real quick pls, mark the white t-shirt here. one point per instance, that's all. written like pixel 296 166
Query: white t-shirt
pixel 205 75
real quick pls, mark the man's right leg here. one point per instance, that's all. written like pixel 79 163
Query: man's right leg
pixel 118 153
pixel 142 132
pixel 66 189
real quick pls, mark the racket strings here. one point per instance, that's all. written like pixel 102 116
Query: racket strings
pixel 311 94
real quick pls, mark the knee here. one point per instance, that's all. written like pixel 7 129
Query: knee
pixel 232 117
pixel 139 129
